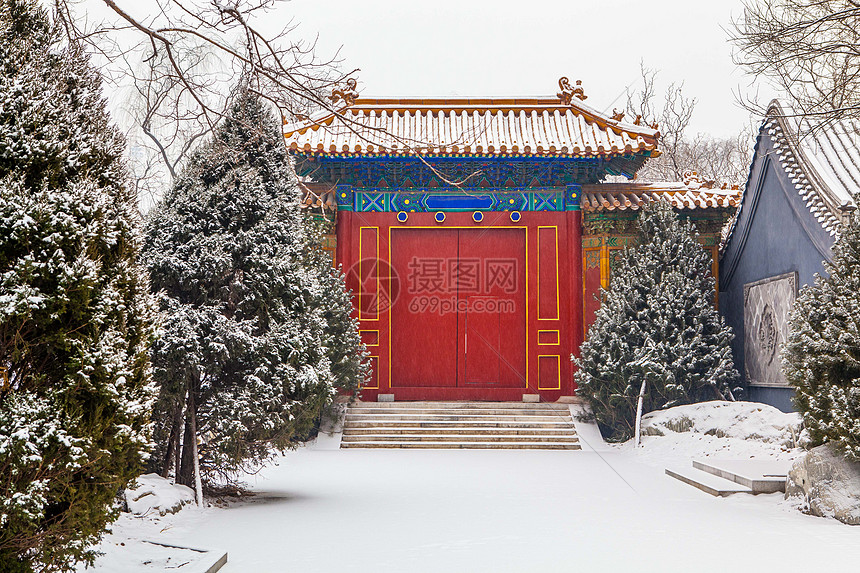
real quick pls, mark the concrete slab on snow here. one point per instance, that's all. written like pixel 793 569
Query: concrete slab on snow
pixel 761 476
pixel 707 482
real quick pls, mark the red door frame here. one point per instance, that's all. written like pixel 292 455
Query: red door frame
pixel 554 315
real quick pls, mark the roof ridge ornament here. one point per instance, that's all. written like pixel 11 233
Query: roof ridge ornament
pixel 567 93
pixel 348 94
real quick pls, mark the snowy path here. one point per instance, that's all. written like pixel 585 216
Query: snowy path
pixel 441 510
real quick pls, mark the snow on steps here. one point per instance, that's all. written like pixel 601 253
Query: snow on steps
pixel 459 425
pixel 726 477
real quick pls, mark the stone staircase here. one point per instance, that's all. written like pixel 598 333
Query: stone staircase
pixel 463 425
pixel 726 477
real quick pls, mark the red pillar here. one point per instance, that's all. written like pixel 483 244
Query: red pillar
pixel 575 241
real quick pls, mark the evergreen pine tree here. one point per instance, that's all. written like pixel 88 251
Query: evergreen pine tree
pixel 349 360
pixel 821 357
pixel 244 351
pixel 656 323
pixel 75 310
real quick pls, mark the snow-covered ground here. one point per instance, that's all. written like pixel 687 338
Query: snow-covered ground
pixel 611 509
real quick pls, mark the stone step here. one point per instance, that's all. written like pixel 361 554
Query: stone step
pixel 461 430
pixel 457 412
pixel 455 424
pixel 708 483
pixel 760 476
pixel 351 417
pixel 459 425
pixel 458 405
pixel 465 445
pixel 458 438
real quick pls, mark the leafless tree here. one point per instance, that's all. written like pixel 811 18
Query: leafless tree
pixel 712 159
pixel 808 49
pixel 180 60
pixel 183 57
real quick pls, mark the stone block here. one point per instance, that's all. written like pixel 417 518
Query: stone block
pixel 826 484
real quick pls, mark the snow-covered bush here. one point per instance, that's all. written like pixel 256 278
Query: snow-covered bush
pixel 740 420
pixel 821 357
pixel 657 323
pixel 152 494
pixel 245 350
pixel 75 310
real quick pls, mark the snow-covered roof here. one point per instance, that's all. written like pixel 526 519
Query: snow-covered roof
pixel 682 195
pixel 506 127
pixel 833 153
pixel 823 163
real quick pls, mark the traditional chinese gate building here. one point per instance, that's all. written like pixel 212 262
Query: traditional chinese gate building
pixel 459 224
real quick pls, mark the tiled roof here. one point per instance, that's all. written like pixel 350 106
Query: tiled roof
pixel 833 154
pixel 688 195
pixel 823 164
pixel 514 127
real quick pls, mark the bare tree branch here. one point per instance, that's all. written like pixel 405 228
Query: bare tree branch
pixel 711 160
pixel 185 56
pixel 807 49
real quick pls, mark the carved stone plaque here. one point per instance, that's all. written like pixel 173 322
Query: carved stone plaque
pixel 766 307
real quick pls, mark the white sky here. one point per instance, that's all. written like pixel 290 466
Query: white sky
pixel 500 48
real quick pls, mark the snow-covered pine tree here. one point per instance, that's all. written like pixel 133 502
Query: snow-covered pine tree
pixel 656 323
pixel 75 310
pixel 349 360
pixel 821 357
pixel 243 347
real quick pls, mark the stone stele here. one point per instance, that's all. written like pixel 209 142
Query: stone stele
pixel 827 484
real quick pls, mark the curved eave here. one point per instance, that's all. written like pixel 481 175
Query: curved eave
pixel 609 197
pixel 526 127
pixel 470 155
pixel 388 107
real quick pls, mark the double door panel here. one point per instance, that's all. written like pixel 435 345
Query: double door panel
pixel 460 318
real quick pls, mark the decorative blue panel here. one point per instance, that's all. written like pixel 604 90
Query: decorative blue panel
pixel 345 197
pixel 475 199
pixel 458 202
pixel 497 171
pixel 512 202
pixel 572 197
pixel 547 202
pixel 368 202
pixel 407 202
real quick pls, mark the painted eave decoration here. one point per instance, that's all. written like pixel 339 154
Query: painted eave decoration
pixel 518 127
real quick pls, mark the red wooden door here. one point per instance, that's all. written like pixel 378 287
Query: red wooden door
pixel 460 317
pixel 423 323
pixel 492 317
